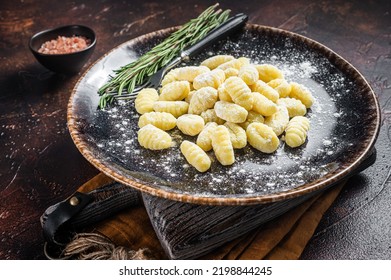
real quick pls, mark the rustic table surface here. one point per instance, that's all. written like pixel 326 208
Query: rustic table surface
pixel 40 165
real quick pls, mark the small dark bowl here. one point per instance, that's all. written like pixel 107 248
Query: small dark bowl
pixel 69 63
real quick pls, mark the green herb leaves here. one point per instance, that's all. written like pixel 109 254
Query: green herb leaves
pixel 135 73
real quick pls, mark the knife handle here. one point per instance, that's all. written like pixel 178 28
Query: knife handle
pixel 232 25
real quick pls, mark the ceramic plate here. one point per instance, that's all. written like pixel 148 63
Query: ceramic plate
pixel 344 120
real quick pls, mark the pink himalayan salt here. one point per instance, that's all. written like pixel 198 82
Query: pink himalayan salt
pixel 64 45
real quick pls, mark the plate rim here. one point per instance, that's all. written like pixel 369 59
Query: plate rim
pixel 321 183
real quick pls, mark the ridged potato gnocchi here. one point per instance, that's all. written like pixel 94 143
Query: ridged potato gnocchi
pixel 225 103
pixel 153 138
pixel 190 124
pixel 230 112
pixel 296 131
pixel 278 121
pixel 202 100
pixel 176 90
pixel 161 120
pixel 237 135
pixel 262 137
pixel 195 156
pixel 240 93
pixel 214 61
pixel 204 139
pixel 175 108
pixel 145 100
pixel 222 145
pixel 213 79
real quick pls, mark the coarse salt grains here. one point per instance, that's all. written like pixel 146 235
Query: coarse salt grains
pixel 64 45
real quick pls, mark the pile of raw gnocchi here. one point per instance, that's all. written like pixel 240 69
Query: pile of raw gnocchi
pixel 227 103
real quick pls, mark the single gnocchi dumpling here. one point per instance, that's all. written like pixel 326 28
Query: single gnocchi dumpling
pixel 164 121
pixel 175 108
pixel 222 146
pixel 145 100
pixel 190 124
pixel 231 72
pixel 230 112
pixel 153 138
pixel 281 86
pixel 235 63
pixel 170 77
pixel 223 94
pixel 296 131
pixel 268 72
pixel 295 106
pixel 279 120
pixel 239 91
pixel 214 61
pixel 263 105
pixel 204 139
pixel 262 137
pixel 266 90
pixel 249 74
pixel 210 116
pixel 195 156
pixel 175 91
pixel 213 79
pixel 237 134
pixel 302 93
pixel 202 100
pixel 252 117
pixel 188 73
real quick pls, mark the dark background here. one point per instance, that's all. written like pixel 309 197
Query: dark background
pixel 40 165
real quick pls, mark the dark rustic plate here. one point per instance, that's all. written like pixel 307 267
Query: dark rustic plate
pixel 345 121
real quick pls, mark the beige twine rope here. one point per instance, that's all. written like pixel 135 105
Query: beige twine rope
pixel 94 246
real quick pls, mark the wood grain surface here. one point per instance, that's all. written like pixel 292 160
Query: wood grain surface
pixel 40 165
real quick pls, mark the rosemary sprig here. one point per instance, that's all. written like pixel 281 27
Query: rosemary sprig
pixel 127 77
